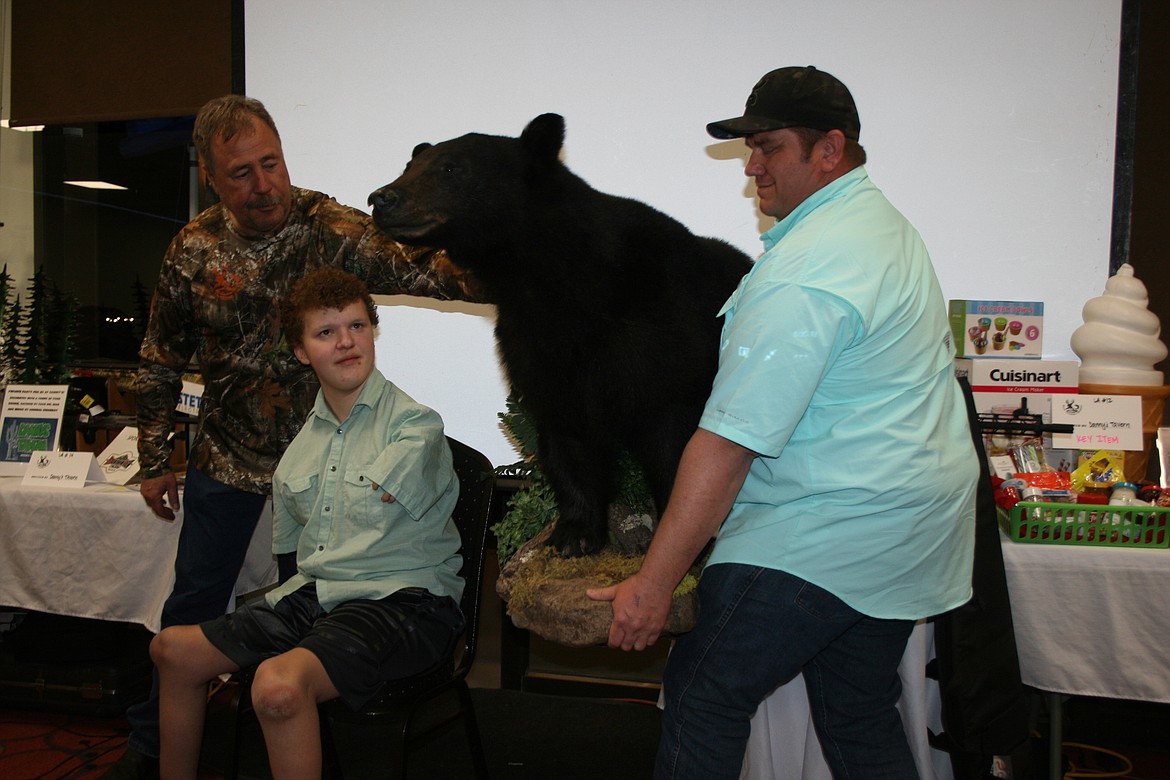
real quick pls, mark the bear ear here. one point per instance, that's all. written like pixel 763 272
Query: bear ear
pixel 420 149
pixel 544 136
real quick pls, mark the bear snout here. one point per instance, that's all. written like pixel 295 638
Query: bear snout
pixel 399 217
pixel 382 199
pixel 383 203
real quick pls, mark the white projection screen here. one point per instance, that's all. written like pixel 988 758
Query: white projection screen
pixel 990 124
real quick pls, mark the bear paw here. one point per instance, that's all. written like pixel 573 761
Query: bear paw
pixel 572 541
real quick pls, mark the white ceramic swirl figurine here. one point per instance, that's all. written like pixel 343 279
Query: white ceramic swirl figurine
pixel 1119 344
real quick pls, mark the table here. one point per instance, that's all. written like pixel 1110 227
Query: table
pixel 1089 621
pixel 784 744
pixel 99 552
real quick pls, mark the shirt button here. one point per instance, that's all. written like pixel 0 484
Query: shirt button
pixel 322 547
pixel 333 468
pixel 340 431
pixel 326 509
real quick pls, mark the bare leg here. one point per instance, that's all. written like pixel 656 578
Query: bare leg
pixel 186 662
pixel 285 694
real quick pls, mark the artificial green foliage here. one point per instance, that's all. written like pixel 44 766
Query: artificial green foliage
pixel 529 510
pixel 632 489
pixel 523 433
pixel 534 506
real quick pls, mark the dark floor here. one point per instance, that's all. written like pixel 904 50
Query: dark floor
pixel 606 728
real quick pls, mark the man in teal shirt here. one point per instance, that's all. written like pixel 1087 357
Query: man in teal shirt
pixel 833 462
pixel 364 495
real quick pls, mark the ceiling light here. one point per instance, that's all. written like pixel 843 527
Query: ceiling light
pixel 96 185
pixel 22 128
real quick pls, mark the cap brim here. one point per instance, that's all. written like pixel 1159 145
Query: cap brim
pixel 741 126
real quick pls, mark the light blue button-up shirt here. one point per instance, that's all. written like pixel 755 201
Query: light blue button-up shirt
pixel 324 505
pixel 836 365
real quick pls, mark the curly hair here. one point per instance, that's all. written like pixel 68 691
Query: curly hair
pixel 224 118
pixel 323 288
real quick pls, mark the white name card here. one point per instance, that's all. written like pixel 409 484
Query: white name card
pixel 190 399
pixel 119 460
pixel 1100 422
pixel 62 470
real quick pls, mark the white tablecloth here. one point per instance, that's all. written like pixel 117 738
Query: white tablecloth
pixel 99 552
pixel 1091 621
pixel 783 743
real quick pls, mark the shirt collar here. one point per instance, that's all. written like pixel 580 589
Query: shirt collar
pixel 831 191
pixel 371 391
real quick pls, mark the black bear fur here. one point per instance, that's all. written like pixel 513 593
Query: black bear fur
pixel 607 309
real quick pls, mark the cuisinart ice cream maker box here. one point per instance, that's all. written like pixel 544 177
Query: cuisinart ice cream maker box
pixel 1003 386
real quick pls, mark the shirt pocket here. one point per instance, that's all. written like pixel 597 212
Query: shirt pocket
pixel 300 494
pixel 362 502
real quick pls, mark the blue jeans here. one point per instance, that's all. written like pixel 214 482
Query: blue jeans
pixel 218 522
pixel 758 628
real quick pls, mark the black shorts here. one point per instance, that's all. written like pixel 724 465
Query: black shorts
pixel 361 643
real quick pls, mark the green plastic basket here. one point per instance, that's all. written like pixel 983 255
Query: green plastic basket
pixel 1096 525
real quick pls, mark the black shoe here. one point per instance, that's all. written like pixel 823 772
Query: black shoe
pixel 133 766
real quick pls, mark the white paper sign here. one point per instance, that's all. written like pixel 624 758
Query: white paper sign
pixel 190 399
pixel 1164 454
pixel 1100 422
pixel 62 470
pixel 30 424
pixel 119 460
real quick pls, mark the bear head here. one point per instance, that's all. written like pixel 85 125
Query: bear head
pixel 470 191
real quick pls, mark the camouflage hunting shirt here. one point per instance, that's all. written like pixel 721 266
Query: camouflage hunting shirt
pixel 217 301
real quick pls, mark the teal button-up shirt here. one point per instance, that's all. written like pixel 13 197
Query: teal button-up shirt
pixel 836 366
pixel 325 507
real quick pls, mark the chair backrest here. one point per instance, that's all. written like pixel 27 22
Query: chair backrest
pixel 476 481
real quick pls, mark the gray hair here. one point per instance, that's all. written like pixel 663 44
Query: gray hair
pixel 224 118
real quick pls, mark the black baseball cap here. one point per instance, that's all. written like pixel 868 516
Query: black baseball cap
pixel 794 97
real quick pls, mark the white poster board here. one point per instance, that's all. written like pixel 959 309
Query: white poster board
pixel 30 422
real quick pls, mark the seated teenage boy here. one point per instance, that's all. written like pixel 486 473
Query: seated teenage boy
pixel 364 495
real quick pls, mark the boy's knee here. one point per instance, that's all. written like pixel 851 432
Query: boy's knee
pixel 276 696
pixel 165 647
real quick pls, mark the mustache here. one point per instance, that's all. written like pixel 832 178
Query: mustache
pixel 265 201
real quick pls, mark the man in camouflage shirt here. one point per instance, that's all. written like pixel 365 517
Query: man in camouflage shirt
pixel 216 298
pixel 216 301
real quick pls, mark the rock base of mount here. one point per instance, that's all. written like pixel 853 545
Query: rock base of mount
pixel 545 592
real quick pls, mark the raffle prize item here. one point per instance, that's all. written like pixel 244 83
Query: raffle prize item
pixel 1013 329
pixel 1118 345
pixel 1032 493
pixel 1127 521
pixel 1041 487
pixel 1097 475
pixel 1125 494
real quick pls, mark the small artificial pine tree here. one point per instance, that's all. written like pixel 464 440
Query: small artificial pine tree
pixel 30 365
pixel 37 335
pixel 11 325
pixel 6 342
pixel 60 335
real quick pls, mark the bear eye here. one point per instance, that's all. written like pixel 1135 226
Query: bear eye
pixel 451 168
